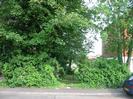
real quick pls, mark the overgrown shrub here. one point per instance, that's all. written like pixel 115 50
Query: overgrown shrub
pixel 26 76
pixel 47 73
pixel 23 60
pixel 28 71
pixel 102 73
pixel 58 69
pixel 29 76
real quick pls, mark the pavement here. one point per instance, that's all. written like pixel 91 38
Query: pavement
pixel 33 93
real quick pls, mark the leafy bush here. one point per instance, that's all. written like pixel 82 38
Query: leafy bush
pixel 3 84
pixel 102 73
pixel 58 70
pixel 28 71
pixel 47 73
pixel 25 76
pixel 28 76
pixel 21 61
pixel 24 60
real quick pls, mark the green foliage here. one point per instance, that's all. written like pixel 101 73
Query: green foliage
pixel 37 26
pixel 3 84
pixel 29 76
pixel 102 72
pixel 47 73
pixel 117 34
pixel 25 77
pixel 31 70
pixel 58 70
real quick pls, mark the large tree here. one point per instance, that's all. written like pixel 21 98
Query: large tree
pixel 116 22
pixel 57 27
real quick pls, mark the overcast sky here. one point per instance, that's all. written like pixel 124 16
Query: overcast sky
pixel 91 3
pixel 97 49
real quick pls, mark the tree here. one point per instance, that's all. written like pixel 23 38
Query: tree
pixel 118 23
pixel 57 27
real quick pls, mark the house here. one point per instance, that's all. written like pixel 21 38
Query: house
pixel 99 49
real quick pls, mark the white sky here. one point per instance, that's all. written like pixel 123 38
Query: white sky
pixel 97 49
pixel 97 45
pixel 91 3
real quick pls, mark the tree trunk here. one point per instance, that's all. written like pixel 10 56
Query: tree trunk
pixel 69 67
pixel 130 51
pixel 119 53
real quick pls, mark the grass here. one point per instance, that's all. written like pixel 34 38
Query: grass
pixel 3 84
pixel 67 82
pixel 70 82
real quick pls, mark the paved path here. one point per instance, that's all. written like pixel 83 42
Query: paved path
pixel 21 93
